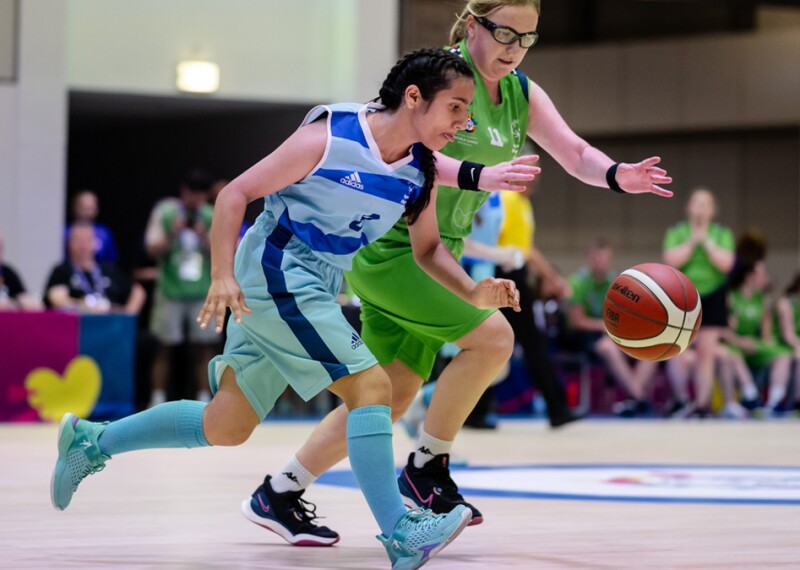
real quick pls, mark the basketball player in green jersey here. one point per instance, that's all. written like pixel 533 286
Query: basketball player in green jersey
pixel 406 316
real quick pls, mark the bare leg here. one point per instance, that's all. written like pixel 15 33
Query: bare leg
pixel 706 343
pixel 327 444
pixel 484 352
pixel 779 380
pixel 619 367
pixel 161 369
pixel 678 370
pixel 229 419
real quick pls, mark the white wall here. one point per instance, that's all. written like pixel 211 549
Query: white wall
pixel 298 50
pixel 33 114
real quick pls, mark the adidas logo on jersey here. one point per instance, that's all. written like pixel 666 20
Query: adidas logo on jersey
pixel 355 342
pixel 353 180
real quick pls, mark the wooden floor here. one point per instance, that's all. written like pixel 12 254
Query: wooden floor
pixel 180 509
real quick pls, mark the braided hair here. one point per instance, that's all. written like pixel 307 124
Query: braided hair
pixel 431 70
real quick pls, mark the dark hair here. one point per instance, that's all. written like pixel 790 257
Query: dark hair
pixel 741 269
pixel 431 70
pixel 197 180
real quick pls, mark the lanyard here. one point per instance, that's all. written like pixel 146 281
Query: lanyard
pixel 95 287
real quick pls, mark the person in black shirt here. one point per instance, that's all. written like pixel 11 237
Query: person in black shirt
pixel 83 284
pixel 13 295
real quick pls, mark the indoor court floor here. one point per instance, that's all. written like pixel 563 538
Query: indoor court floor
pixel 597 495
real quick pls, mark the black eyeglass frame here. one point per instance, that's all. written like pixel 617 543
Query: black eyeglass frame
pixel 492 27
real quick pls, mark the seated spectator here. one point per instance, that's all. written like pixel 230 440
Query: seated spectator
pixel 85 208
pixel 751 332
pixel 787 328
pixel 83 284
pixel 13 295
pixel 589 286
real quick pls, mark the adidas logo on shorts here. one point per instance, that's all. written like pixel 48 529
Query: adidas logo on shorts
pixel 353 180
pixel 355 342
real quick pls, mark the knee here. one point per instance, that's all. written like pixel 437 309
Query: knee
pixel 498 340
pixel 222 429
pixel 401 400
pixel 368 388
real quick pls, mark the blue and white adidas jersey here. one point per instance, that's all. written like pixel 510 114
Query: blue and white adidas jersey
pixel 352 197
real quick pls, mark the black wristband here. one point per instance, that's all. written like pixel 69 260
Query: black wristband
pixel 469 173
pixel 611 179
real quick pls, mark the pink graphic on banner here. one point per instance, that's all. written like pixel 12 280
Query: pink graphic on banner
pixel 29 341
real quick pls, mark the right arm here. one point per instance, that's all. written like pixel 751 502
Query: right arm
pixel 289 163
pixel 786 323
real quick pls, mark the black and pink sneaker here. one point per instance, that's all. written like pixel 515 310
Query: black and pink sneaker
pixel 431 487
pixel 288 516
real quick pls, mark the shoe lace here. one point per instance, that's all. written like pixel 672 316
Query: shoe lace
pixel 421 518
pixel 306 509
pixel 86 468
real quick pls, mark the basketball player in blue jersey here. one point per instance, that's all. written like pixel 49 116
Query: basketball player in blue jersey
pixel 338 183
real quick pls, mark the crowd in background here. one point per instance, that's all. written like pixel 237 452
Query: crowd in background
pixel 745 361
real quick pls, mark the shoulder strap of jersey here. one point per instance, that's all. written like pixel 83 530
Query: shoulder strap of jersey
pixel 523 82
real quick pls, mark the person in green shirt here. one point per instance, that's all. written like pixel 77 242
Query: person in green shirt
pixel 704 251
pixel 750 336
pixel 787 327
pixel 589 286
pixel 407 317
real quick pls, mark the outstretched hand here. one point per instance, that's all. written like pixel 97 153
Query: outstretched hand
pixel 493 293
pixel 222 293
pixel 643 177
pixel 509 175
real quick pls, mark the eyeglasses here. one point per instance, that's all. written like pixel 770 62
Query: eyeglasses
pixel 506 35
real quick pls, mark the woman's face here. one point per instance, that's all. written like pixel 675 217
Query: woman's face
pixel 701 207
pixel 493 59
pixel 760 277
pixel 437 121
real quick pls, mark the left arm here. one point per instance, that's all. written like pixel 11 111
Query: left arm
pixel 136 300
pixel 510 175
pixel 437 261
pixel 583 161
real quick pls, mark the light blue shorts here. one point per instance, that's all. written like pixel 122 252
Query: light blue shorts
pixel 296 334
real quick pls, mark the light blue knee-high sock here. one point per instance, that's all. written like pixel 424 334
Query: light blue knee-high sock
pixel 173 424
pixel 369 444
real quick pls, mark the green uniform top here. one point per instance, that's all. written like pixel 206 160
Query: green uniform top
pixel 699 268
pixel 749 313
pixel 405 314
pixel 588 292
pixel 494 133
pixel 186 268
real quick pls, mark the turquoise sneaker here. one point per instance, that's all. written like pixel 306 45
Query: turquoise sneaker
pixel 420 535
pixel 79 455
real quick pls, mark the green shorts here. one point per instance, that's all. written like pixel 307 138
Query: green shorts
pixel 405 314
pixel 765 354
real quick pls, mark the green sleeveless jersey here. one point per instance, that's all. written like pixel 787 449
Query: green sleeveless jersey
pixel 699 268
pixel 749 312
pixel 494 133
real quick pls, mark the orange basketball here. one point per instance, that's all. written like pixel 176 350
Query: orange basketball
pixel 652 311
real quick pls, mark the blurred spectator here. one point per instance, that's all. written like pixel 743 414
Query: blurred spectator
pixel 787 327
pixel 751 332
pixel 13 295
pixel 85 208
pixel 518 231
pixel 177 237
pixel 703 250
pixel 589 286
pixel 82 283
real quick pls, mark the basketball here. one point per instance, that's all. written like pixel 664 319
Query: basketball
pixel 652 311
